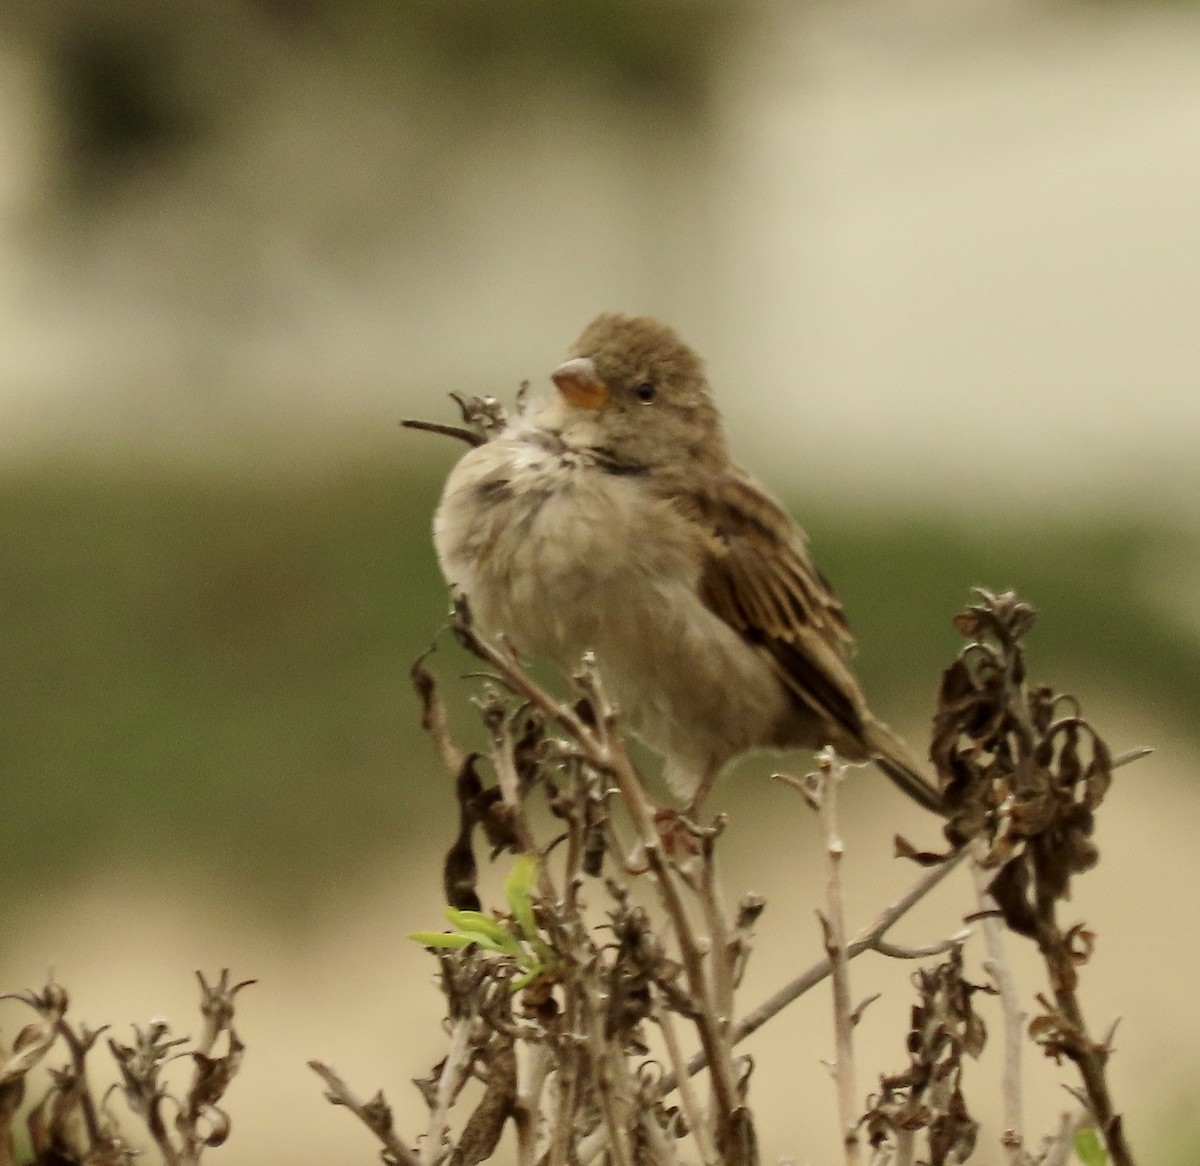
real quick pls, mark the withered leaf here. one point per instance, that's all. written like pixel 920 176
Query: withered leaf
pixel 460 874
pixel 213 1074
pixel 967 623
pixel 1010 889
pixel 425 686
pixel 902 848
pixel 459 869
pixel 1098 778
pixel 377 1114
pixel 1034 812
pixel 975 1035
pixel 1060 967
pixel 428 1086
pixel 482 1132
pixel 1069 767
pixel 1041 707
pixel 499 825
pixel 595 846
pixel 956 683
pixel 1080 943
pixel 218 1126
pixel 468 786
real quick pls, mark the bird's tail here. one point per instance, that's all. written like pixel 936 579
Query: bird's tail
pixel 894 757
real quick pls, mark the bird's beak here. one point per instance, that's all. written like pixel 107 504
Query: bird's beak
pixel 578 382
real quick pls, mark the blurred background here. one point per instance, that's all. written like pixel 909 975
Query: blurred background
pixel 943 258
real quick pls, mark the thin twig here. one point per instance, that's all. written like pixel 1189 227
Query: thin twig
pixel 433 716
pixel 79 1048
pixel 720 974
pixel 374 1114
pixel 608 1064
pixel 811 977
pixel 509 784
pixel 604 749
pixel 533 1065
pixel 688 1101
pixel 900 951
pixel 455 1069
pixel 715 1041
pixel 463 434
pixel 833 924
pixel 567 1090
pixel 1130 755
pixel 1090 1058
pixel 714 917
pixel 998 968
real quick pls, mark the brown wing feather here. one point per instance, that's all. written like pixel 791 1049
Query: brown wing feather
pixel 759 579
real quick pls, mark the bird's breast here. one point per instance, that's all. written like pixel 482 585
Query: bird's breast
pixel 547 545
pixel 562 557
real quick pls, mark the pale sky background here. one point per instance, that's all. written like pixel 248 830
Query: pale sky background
pixel 929 250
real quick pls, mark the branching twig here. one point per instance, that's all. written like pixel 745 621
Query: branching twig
pixel 533 1064
pixel 70 1124
pixel 821 790
pixel 998 968
pixel 558 1003
pixel 604 749
pixel 1023 771
pixel 688 1100
pixel 458 431
pixel 455 1070
pixel 375 1114
pixel 811 977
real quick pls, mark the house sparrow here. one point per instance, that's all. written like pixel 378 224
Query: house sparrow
pixel 610 518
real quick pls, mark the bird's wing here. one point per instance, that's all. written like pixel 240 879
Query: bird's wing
pixel 758 577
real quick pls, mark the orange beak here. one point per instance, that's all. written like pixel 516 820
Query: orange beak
pixel 578 382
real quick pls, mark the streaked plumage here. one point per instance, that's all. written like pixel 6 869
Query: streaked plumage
pixel 612 519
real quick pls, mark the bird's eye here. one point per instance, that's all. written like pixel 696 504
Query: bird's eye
pixel 646 392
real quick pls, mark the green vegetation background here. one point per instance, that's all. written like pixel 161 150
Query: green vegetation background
pixel 205 668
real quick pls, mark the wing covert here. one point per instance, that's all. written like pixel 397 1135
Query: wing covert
pixel 758 577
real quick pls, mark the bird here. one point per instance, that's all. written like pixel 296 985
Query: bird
pixel 609 517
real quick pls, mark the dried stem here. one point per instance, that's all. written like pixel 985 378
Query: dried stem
pixel 533 1064
pixel 869 940
pixel 455 1070
pixel 688 1101
pixel 568 1085
pixel 559 1002
pixel 1025 773
pixel 1089 1056
pixel 603 749
pixel 998 968
pixel 458 431
pixel 374 1114
pixel 433 716
pixel 823 793
pixel 609 1067
pixel 714 918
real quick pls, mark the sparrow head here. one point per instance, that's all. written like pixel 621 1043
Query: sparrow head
pixel 641 392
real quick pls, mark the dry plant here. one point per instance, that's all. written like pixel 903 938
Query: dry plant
pixel 597 1014
pixel 583 1013
pixel 71 1125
